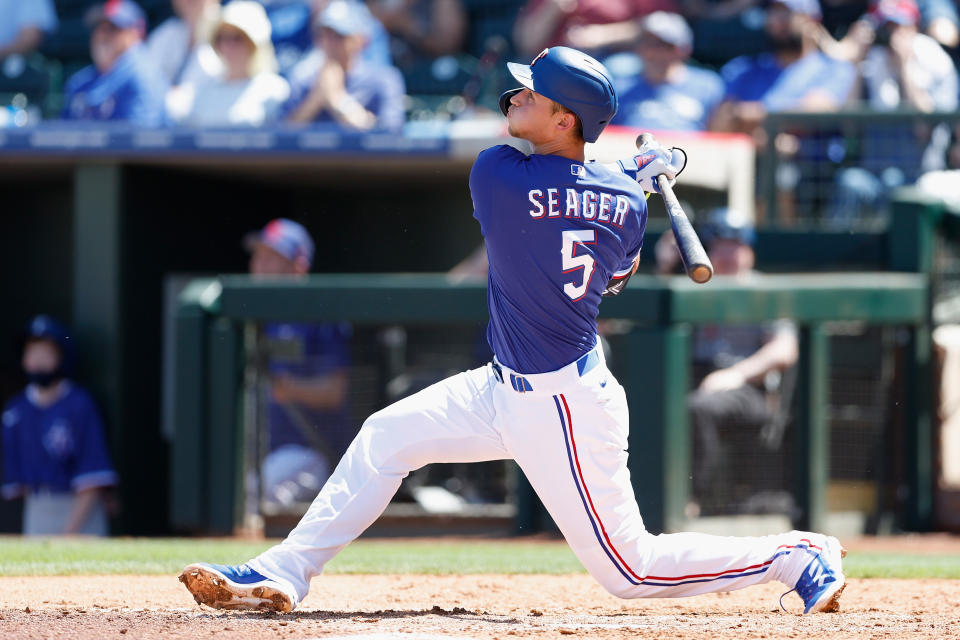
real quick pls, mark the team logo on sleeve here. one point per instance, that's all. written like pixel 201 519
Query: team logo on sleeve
pixel 644 159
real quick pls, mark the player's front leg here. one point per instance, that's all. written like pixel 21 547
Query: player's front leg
pixel 572 447
pixel 450 421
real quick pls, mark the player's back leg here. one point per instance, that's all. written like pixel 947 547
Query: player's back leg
pixel 450 421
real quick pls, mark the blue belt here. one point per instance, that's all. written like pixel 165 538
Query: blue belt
pixel 585 363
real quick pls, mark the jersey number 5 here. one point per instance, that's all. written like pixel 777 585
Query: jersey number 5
pixel 572 262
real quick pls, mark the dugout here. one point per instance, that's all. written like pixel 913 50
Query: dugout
pixel 96 219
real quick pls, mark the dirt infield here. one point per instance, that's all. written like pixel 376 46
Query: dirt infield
pixel 95 608
pixel 482 607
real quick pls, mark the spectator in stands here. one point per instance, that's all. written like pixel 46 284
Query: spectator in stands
pixel 24 25
pixel 55 455
pixel 594 26
pixel 343 88
pixel 943 183
pixel 308 418
pixel 942 22
pixel 180 47
pixel 668 94
pixel 421 28
pixel 725 29
pixel 901 69
pixel 794 76
pixel 736 368
pixel 121 84
pixel 249 92
pixel 376 52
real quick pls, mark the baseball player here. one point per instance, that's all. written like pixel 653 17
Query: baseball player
pixel 54 452
pixel 560 233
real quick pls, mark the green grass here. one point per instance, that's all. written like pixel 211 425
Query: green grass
pixel 157 556
pixel 19 557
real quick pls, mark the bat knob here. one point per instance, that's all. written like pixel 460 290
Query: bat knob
pixel 701 273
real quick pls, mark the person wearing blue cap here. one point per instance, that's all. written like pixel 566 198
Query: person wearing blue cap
pixel 345 89
pixel 307 410
pixel 121 84
pixel 794 76
pixel 54 453
pixel 668 94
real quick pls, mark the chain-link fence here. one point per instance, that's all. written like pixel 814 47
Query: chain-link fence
pixel 839 170
pixel 756 472
pixel 308 387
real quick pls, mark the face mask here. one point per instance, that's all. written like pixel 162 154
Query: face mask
pixel 43 379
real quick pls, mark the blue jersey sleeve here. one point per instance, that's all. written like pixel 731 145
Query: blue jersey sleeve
pixel 73 86
pixel 389 101
pixel 484 180
pixel 141 104
pixel 327 346
pixel 92 467
pixel 840 81
pixel 734 75
pixel 12 473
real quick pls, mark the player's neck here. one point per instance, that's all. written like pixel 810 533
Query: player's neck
pixel 563 148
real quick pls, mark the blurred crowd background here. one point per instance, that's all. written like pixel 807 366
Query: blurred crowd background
pixel 679 64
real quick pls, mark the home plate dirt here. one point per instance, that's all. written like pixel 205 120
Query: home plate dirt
pixel 466 608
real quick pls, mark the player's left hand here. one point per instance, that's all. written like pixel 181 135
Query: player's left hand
pixel 653 159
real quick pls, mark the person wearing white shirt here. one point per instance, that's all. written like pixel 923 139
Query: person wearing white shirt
pixel 180 46
pixel 24 24
pixel 249 92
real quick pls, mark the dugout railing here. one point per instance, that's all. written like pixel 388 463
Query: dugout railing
pixel 208 448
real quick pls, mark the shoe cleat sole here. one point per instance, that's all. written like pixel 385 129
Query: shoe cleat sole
pixel 217 592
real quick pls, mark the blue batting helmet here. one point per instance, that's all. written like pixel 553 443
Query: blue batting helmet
pixel 573 79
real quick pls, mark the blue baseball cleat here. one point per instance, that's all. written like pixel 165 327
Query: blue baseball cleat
pixel 822 580
pixel 222 586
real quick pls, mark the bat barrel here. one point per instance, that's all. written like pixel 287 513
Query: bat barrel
pixel 695 260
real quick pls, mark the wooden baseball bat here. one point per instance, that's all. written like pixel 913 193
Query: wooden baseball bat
pixel 694 256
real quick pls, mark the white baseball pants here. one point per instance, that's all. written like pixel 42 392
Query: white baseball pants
pixel 568 433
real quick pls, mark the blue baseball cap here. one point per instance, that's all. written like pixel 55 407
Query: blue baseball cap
pixel 122 14
pixel 346 17
pixel 44 327
pixel 904 12
pixel 288 238
pixel 806 7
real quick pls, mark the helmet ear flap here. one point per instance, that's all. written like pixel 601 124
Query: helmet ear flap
pixel 505 99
